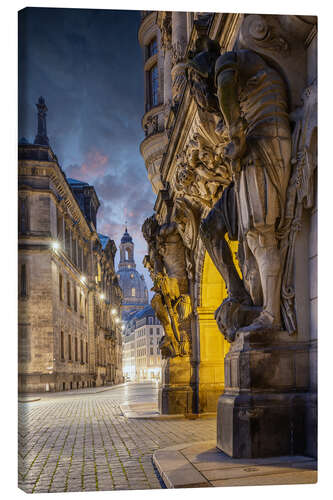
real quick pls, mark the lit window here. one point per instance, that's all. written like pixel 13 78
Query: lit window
pixel 152 48
pixel 153 86
pixel 133 292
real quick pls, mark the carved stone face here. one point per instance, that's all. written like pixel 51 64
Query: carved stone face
pixel 185 176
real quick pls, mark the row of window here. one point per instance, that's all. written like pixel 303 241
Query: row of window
pixel 72 292
pixel 64 234
pixel 73 354
pixel 71 245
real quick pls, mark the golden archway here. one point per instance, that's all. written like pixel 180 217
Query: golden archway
pixel 212 345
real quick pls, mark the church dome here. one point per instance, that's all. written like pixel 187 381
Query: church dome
pixel 133 286
pixel 132 283
pixel 126 238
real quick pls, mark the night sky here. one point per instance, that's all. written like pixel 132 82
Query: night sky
pixel 88 66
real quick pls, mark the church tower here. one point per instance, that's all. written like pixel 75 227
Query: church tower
pixel 133 285
pixel 126 252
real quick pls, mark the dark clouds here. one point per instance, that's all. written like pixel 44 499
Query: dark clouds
pixel 88 66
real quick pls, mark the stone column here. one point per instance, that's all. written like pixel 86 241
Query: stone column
pixel 179 42
pixel 167 76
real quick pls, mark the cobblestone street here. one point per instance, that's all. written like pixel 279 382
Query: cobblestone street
pixel 82 441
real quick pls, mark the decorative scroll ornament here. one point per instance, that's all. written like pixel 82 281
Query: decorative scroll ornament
pixel 255 28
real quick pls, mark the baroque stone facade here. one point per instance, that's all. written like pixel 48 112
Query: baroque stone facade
pixel 231 151
pixel 69 297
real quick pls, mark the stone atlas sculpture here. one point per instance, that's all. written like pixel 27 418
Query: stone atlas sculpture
pixel 244 173
pixel 167 266
pixel 250 98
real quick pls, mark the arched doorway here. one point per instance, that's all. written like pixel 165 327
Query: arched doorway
pixel 212 346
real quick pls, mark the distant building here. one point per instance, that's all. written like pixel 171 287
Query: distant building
pixel 132 283
pixel 69 296
pixel 142 359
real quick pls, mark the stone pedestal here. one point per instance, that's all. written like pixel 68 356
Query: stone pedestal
pixel 264 407
pixel 176 395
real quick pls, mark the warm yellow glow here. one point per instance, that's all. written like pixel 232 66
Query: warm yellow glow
pixel 102 296
pixel 55 245
pixel 83 279
pixel 213 346
pixel 113 311
pixel 117 320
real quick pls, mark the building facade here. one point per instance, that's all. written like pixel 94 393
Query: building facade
pixel 142 358
pixel 132 283
pixel 231 151
pixel 69 297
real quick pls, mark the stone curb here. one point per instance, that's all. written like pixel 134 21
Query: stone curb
pixel 154 414
pixel 28 400
pixel 177 470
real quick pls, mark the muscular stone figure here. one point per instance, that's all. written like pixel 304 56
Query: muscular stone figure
pixel 253 101
pixel 167 266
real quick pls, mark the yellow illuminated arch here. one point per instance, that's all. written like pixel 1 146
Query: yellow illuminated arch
pixel 213 346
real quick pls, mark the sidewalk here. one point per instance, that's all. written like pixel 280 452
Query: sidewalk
pixel 29 397
pixel 203 465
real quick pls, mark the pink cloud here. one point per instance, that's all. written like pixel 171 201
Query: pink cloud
pixel 94 165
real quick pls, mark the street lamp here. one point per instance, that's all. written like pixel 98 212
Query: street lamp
pixel 102 296
pixel 114 311
pixel 83 279
pixel 55 245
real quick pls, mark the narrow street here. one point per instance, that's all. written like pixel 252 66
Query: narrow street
pixel 81 441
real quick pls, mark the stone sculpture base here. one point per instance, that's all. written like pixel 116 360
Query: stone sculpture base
pixel 263 410
pixel 176 395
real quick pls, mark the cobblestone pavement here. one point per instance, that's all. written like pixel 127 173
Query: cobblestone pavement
pixel 82 442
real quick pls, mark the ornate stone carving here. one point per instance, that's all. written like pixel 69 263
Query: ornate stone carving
pixel 151 126
pixel 178 51
pixel 200 174
pixel 256 28
pixel 166 30
pixel 301 191
pixel 252 209
pixel 166 264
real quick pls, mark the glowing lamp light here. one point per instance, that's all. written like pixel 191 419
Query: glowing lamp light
pixel 102 296
pixel 55 245
pixel 117 320
pixel 113 311
pixel 123 328
pixel 83 279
